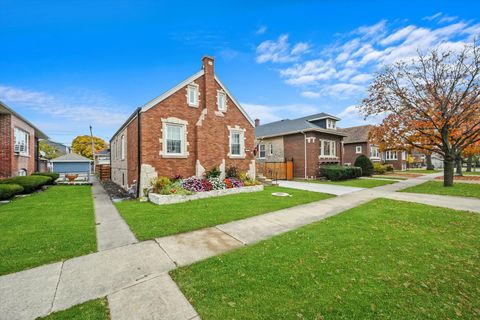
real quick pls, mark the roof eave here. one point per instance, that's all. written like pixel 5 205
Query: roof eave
pixel 301 131
pixel 38 133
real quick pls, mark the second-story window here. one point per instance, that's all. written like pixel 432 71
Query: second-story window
pixel 331 124
pixel 221 101
pixel 192 95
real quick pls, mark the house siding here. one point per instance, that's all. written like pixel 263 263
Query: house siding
pixel 350 154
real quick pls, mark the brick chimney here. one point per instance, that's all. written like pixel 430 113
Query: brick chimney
pixel 257 122
pixel 210 92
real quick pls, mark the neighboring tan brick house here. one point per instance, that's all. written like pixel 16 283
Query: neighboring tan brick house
pixel 19 144
pixel 191 128
pixel 357 142
pixel 310 141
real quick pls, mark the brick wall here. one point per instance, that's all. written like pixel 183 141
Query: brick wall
pixel 350 154
pixel 6 151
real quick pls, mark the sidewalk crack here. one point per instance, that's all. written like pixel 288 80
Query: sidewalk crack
pixel 56 287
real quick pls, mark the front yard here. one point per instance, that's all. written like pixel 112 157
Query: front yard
pixel 436 187
pixel 423 171
pixel 383 260
pixel 149 221
pixel 46 227
pixel 91 310
pixel 359 183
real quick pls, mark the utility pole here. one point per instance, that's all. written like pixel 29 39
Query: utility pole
pixel 93 149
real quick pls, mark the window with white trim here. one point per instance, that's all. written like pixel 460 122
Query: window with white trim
pixel 358 149
pixel 221 101
pixel 327 148
pixel 374 152
pixel 391 155
pixel 270 149
pixel 122 147
pixel 22 172
pixel 21 141
pixel 174 139
pixel 192 95
pixel 237 142
pixel 331 124
pixel 261 151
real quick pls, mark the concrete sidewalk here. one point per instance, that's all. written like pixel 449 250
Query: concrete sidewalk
pixel 318 187
pixel 112 230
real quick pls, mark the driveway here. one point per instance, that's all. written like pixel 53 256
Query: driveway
pixel 318 187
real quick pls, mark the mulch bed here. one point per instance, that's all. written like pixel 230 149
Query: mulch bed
pixel 115 191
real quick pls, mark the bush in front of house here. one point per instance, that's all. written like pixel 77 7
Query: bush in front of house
pixel 232 172
pixel 52 175
pixel 389 167
pixel 29 183
pixel 212 173
pixel 336 172
pixel 379 168
pixel 365 163
pixel 9 190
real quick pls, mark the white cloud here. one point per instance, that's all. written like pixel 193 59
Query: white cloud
pixel 351 116
pixel 344 68
pixel 68 113
pixel 270 113
pixel 310 94
pixel 279 50
pixel 261 30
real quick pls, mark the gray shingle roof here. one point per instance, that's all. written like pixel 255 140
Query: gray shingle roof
pixel 286 126
pixel 73 157
pixel 356 134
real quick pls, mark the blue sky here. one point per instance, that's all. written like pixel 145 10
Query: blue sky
pixel 68 64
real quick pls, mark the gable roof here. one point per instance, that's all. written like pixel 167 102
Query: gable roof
pixel 71 157
pixel 7 110
pixel 357 134
pixel 287 126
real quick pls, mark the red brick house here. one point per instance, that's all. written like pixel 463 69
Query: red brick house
pixel 19 141
pixel 310 141
pixel 357 142
pixel 187 130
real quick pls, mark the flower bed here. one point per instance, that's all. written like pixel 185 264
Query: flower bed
pixel 166 190
pixel 176 198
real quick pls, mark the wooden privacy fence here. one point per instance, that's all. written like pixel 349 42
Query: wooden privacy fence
pixel 103 171
pixel 277 170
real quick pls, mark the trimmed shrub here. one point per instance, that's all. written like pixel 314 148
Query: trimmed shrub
pixel 336 173
pixel 232 172
pixel 366 164
pixel 52 175
pixel 29 183
pixel 212 173
pixel 9 190
pixel 379 168
pixel 389 167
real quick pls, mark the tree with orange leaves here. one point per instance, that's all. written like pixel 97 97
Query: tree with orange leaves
pixel 431 103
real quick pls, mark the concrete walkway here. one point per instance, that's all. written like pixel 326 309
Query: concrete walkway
pixel 318 187
pixel 112 230
pixel 134 277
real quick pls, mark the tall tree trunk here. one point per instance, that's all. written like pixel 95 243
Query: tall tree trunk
pixel 458 165
pixel 448 164
pixel 428 158
pixel 469 163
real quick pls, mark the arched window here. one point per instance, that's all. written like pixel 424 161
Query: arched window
pixel 22 172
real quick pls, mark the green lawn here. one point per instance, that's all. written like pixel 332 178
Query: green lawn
pixel 476 173
pixel 46 227
pixel 148 220
pixel 90 310
pixel 360 183
pixel 382 260
pixel 422 171
pixel 436 187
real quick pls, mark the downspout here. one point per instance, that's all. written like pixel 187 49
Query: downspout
pixel 305 152
pixel 139 158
